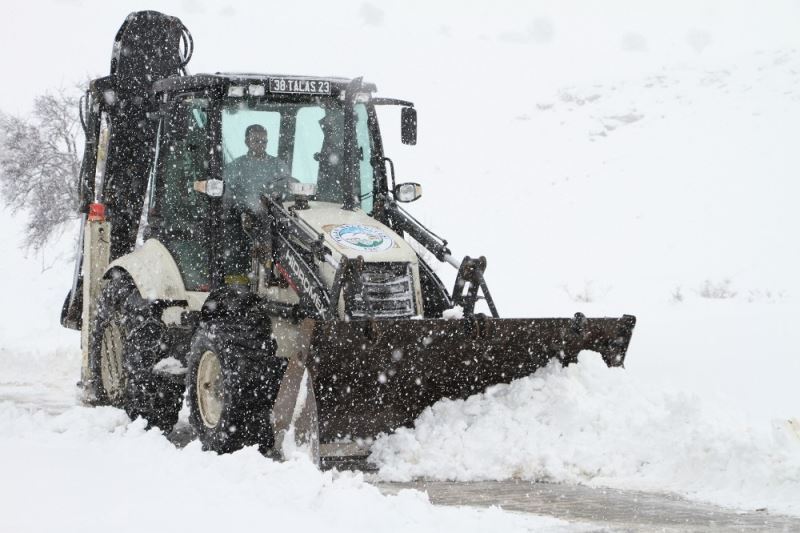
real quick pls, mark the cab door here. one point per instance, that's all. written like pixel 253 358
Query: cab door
pixel 178 216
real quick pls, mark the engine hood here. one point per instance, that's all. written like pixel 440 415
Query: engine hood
pixel 353 233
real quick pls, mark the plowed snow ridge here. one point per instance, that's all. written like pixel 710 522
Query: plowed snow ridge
pixel 590 424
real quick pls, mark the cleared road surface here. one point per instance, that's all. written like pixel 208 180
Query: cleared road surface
pixel 608 509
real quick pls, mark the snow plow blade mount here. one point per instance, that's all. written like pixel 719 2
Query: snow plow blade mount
pixel 375 376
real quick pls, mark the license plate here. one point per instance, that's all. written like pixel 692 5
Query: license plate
pixel 299 86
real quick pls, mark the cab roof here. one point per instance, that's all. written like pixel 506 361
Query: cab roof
pixel 222 80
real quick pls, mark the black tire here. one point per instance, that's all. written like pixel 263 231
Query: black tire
pixel 108 378
pixel 233 376
pixel 126 342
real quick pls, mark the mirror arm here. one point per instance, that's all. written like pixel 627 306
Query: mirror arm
pixel 391 169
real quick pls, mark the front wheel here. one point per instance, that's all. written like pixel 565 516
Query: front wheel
pixel 231 390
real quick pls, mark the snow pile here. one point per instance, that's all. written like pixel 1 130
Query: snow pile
pixel 594 425
pixel 170 365
pixel 94 470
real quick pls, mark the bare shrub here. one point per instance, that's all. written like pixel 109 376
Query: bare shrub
pixel 716 290
pixel 765 295
pixel 587 294
pixel 677 294
pixel 40 159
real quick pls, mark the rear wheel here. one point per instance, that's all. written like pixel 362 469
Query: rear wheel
pixel 113 377
pixel 124 346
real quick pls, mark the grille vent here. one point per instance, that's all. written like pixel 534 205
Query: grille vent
pixel 390 289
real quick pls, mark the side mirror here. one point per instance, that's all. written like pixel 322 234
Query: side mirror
pixel 408 125
pixel 407 192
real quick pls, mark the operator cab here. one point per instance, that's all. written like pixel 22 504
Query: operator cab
pixel 204 147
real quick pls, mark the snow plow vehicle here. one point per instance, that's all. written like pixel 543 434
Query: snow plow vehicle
pixel 243 245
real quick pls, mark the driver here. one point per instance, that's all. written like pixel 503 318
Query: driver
pixel 255 173
pixel 247 178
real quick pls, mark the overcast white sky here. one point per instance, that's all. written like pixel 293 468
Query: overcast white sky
pixel 50 42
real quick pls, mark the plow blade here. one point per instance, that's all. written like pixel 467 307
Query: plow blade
pixel 374 376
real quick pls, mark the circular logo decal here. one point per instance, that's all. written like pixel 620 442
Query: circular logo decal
pixel 362 238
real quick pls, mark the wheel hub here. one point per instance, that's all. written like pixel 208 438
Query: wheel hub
pixel 209 389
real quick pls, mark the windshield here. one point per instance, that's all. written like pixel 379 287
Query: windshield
pixel 268 145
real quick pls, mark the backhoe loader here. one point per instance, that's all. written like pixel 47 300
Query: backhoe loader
pixel 244 245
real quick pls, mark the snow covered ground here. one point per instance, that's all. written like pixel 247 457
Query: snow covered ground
pixel 71 468
pixel 607 159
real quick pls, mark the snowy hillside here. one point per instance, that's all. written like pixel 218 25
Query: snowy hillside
pixel 608 160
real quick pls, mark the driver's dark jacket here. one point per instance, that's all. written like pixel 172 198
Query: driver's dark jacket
pixel 246 179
